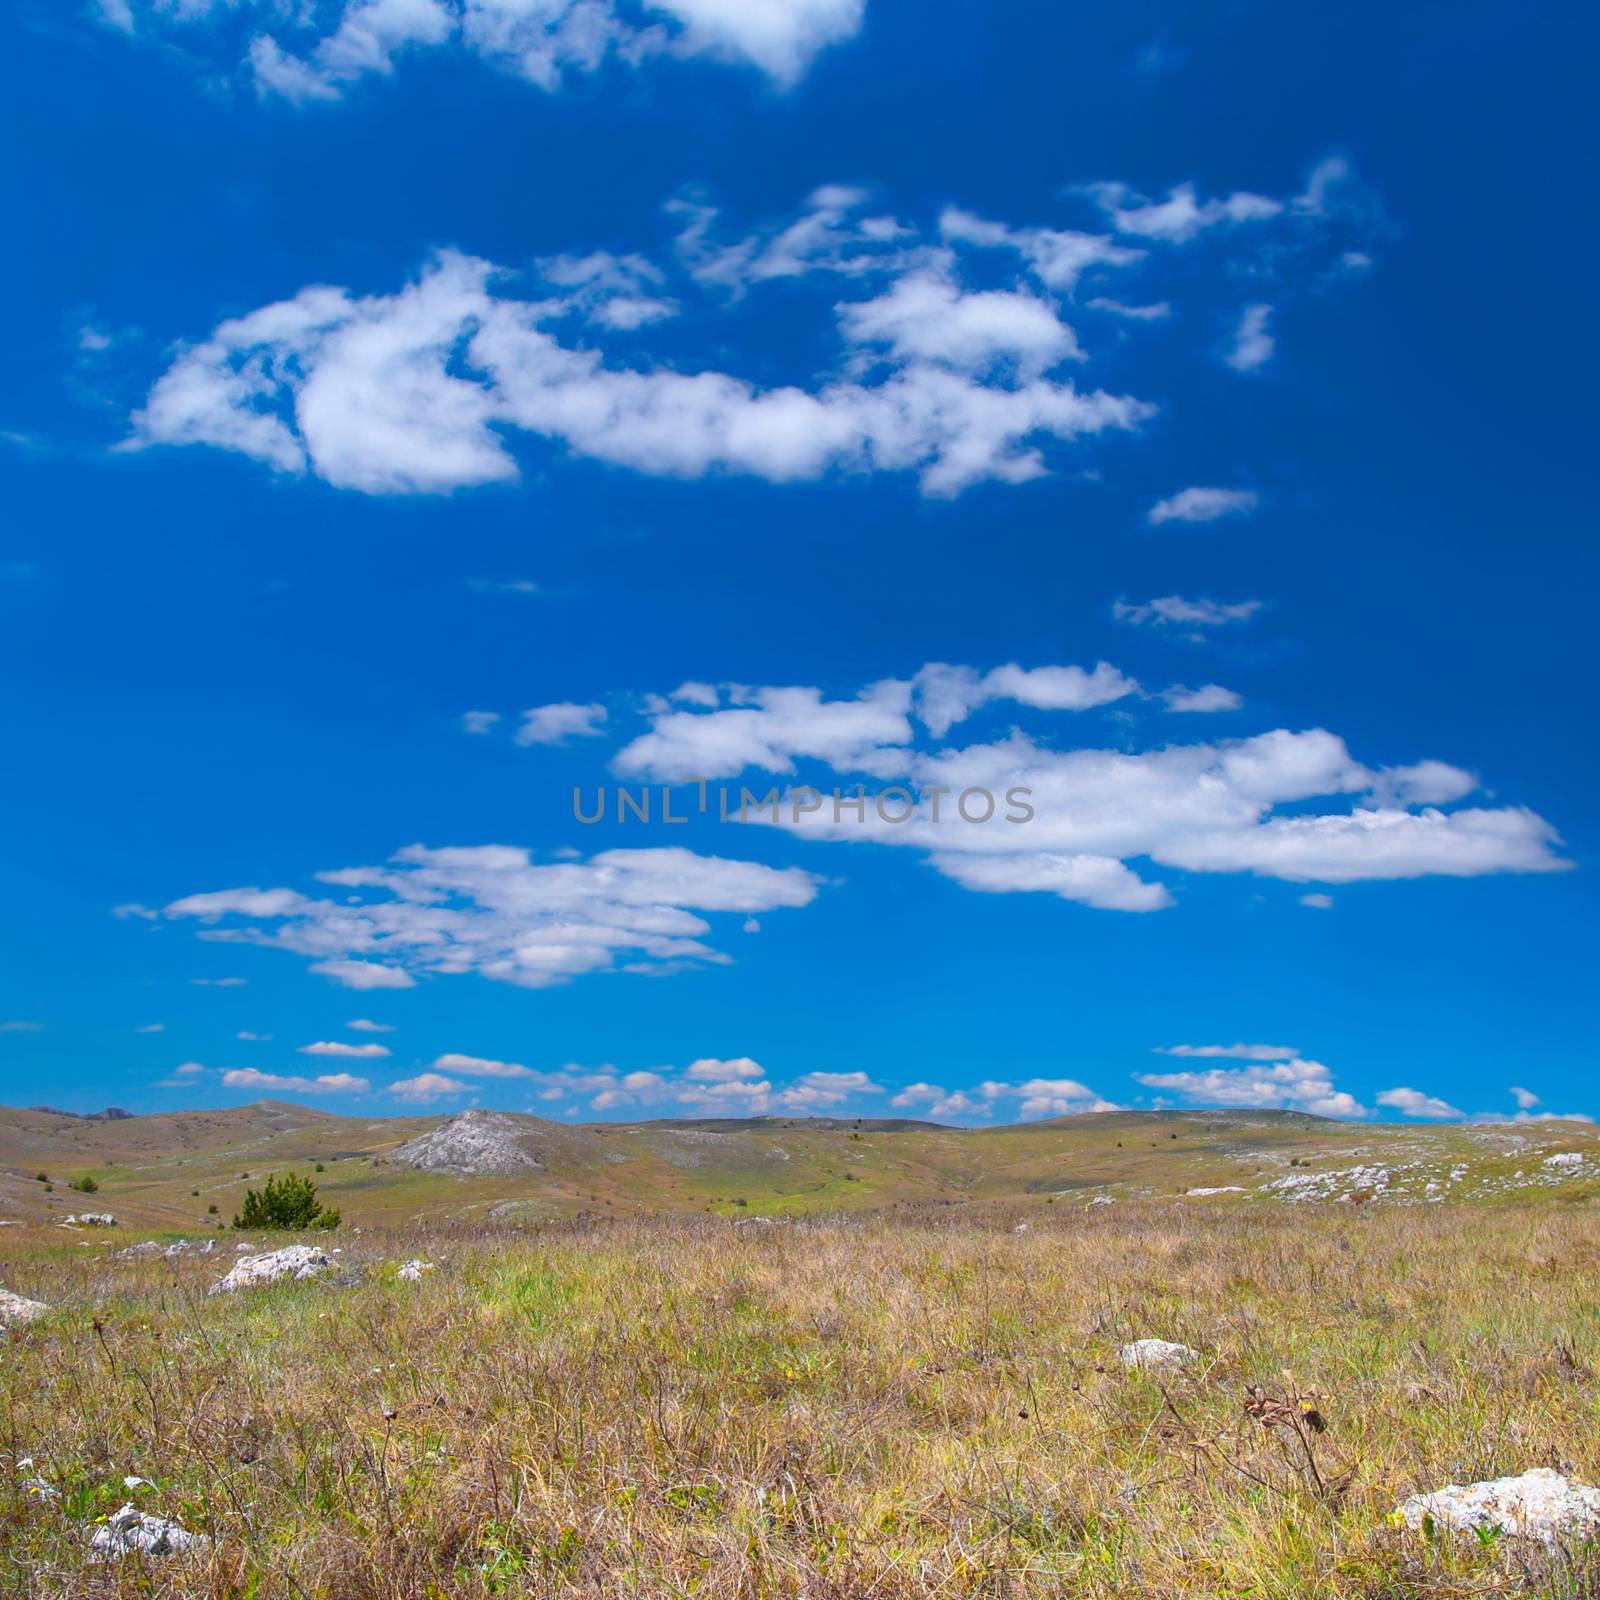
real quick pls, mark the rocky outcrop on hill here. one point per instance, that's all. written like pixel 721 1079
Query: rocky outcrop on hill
pixel 477 1143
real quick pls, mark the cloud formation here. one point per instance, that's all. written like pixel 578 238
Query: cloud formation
pixel 494 911
pixel 954 355
pixel 311 54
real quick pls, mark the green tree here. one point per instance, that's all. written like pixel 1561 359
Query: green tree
pixel 289 1202
pixel 84 1185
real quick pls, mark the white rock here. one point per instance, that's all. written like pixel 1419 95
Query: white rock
pixel 1103 1200
pixel 15 1310
pixel 1156 1355
pixel 92 1219
pixel 130 1530
pixel 1226 1188
pixel 1565 1161
pixel 1540 1504
pixel 414 1271
pixel 1022 1227
pixel 294 1261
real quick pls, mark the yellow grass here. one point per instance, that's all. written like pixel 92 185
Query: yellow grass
pixel 928 1406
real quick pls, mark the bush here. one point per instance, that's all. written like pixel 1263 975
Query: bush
pixel 84 1185
pixel 211 1211
pixel 288 1203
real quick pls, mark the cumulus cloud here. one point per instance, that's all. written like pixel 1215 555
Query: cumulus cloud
pixel 1252 345
pixel 1413 1103
pixel 415 392
pixel 481 1067
pixel 479 721
pixel 1202 505
pixel 493 910
pixel 367 1025
pixel 328 1083
pixel 555 724
pixel 711 1070
pixel 427 1086
pixel 1236 805
pixel 1182 216
pixel 313 55
pixel 1295 1084
pixel 337 1047
pixel 1526 1099
pixel 1209 697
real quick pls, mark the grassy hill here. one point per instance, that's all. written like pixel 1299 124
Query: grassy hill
pixel 165 1172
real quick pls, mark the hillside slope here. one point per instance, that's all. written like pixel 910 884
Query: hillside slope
pixel 166 1172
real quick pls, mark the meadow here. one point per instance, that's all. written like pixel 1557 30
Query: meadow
pixel 929 1404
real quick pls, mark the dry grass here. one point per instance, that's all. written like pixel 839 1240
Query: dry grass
pixel 928 1406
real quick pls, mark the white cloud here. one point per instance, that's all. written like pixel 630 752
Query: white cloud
pixel 327 1083
pixel 1202 505
pixel 479 721
pixel 189 1069
pixel 1176 611
pixel 364 975
pixel 1413 1103
pixel 555 724
pixel 711 1070
pixel 816 1089
pixel 949 694
pixel 1294 1084
pixel 367 1025
pixel 1057 258
pixel 1234 1052
pixel 1525 1098
pixel 775 727
pixel 937 1101
pixel 1317 902
pixel 492 910
pixel 1427 783
pixel 1182 216
pixel 481 1067
pixel 152 1027
pixel 253 1038
pixel 416 392
pixel 1073 821
pixel 219 983
pixel 1209 697
pixel 309 56
pixel 337 1047
pixel 426 1086
pixel 132 908
pixel 1252 345
pixel 1159 311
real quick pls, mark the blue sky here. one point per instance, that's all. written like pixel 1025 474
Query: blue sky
pixel 414 410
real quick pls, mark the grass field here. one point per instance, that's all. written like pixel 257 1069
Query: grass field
pixel 923 1405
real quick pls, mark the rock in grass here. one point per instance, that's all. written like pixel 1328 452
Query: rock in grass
pixel 1540 1505
pixel 131 1531
pixel 15 1310
pixel 415 1271
pixel 92 1219
pixel 1156 1355
pixel 293 1261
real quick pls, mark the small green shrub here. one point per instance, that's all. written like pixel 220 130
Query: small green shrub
pixel 84 1185
pixel 289 1202
pixel 211 1211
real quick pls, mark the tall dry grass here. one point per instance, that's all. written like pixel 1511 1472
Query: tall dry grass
pixel 925 1406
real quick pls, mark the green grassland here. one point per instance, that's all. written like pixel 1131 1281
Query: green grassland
pixel 913 1402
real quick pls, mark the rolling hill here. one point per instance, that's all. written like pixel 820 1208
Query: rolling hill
pixel 166 1172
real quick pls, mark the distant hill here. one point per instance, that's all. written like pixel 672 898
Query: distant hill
pixel 166 1171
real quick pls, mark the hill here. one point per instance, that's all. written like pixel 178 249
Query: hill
pixel 166 1171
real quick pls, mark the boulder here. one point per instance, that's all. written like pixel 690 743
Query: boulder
pixel 1156 1355
pixel 295 1261
pixel 92 1219
pixel 415 1271
pixel 15 1310
pixel 131 1531
pixel 1540 1505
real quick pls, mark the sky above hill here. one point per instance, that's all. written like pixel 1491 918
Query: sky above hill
pixel 835 556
